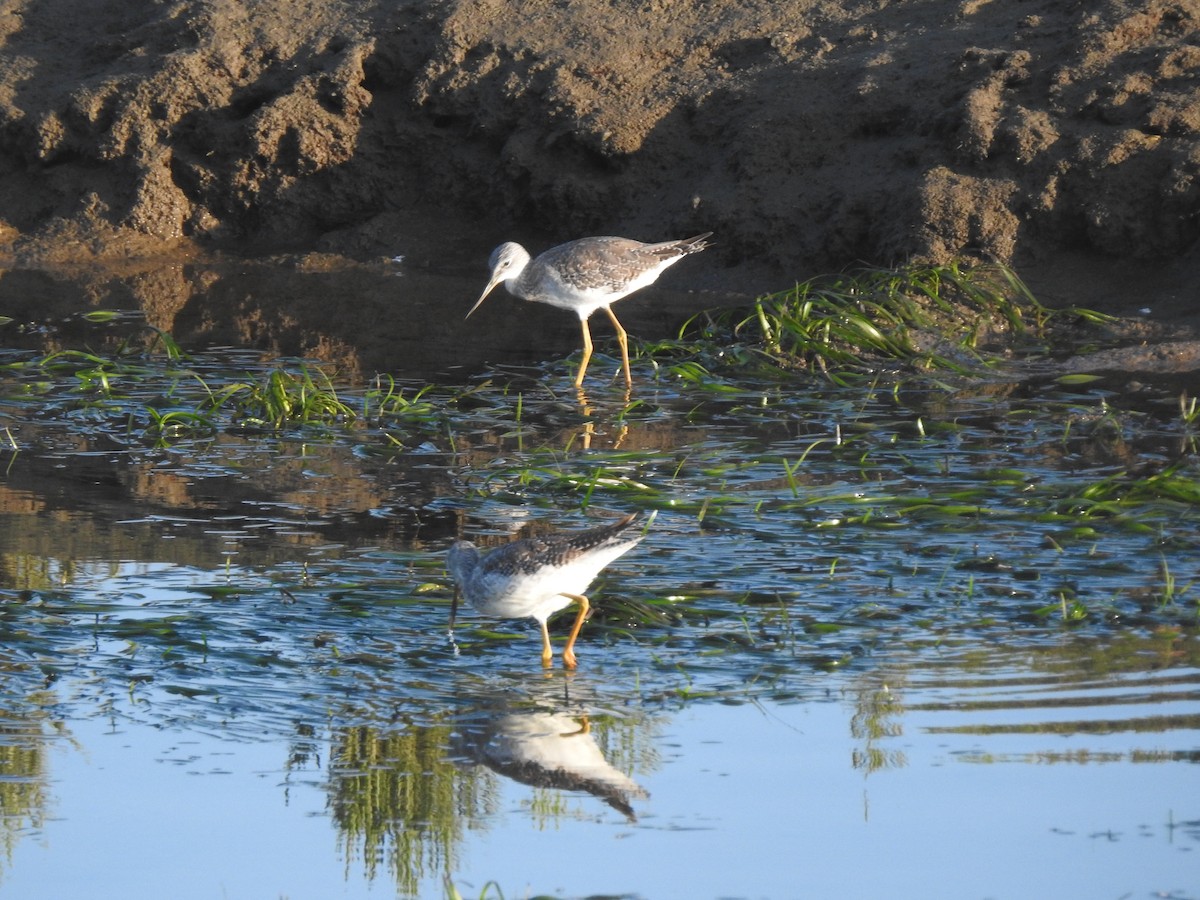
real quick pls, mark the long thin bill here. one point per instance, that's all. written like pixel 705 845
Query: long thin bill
pixel 487 290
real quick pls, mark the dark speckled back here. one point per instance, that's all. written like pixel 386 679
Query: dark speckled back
pixel 524 557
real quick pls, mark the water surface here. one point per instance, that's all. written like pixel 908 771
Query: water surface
pixel 897 639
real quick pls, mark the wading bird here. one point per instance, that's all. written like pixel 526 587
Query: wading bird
pixel 537 576
pixel 586 275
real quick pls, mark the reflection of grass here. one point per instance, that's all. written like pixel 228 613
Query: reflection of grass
pixel 877 720
pixel 34 571
pixel 1033 690
pixel 22 789
pixel 397 798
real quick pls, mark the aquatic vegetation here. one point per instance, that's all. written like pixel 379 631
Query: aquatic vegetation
pixel 304 396
pixel 386 401
pixel 236 545
pixel 844 538
pixel 1189 411
pixel 155 389
pixel 24 788
pixel 1121 491
pixel 978 506
pixel 924 317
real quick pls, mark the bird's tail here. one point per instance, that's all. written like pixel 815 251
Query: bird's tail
pixel 602 535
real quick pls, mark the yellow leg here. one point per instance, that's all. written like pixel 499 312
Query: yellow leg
pixel 623 340
pixel 585 728
pixel 568 654
pixel 453 609
pixel 587 352
pixel 547 653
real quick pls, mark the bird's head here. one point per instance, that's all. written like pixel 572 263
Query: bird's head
pixel 507 262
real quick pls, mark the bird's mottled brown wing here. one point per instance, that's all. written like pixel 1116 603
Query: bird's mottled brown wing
pixel 612 263
pixel 604 263
pixel 526 556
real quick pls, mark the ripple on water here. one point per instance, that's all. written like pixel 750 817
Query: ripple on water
pixel 842 584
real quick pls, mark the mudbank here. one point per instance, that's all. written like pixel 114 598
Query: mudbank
pixel 808 134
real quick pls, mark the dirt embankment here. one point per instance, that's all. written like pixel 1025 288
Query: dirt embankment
pixel 809 134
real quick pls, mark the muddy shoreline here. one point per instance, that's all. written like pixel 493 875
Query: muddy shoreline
pixel 1063 139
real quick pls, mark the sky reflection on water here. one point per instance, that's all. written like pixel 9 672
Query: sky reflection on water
pixel 745 800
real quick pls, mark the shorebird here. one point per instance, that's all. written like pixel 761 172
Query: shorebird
pixel 537 576
pixel 586 275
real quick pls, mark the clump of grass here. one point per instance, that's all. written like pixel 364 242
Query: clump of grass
pixel 385 402
pixel 1171 590
pixel 94 374
pixel 97 375
pixel 926 316
pixel 294 397
pixel 1189 411
pixel 177 423
pixel 284 397
pixel 167 343
pixel 1175 483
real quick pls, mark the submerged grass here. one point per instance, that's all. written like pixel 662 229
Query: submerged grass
pixel 154 390
pixel 844 326
pixel 863 461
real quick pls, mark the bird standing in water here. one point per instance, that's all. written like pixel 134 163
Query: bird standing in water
pixel 586 275
pixel 537 576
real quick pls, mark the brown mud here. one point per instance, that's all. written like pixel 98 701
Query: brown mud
pixel 810 135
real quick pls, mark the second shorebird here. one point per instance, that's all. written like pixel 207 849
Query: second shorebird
pixel 586 275
pixel 537 576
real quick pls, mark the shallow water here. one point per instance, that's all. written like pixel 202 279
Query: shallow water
pixel 886 640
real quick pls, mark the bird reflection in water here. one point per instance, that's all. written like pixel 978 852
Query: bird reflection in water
pixel 618 429
pixel 550 750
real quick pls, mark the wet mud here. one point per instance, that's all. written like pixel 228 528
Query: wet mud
pixel 809 135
